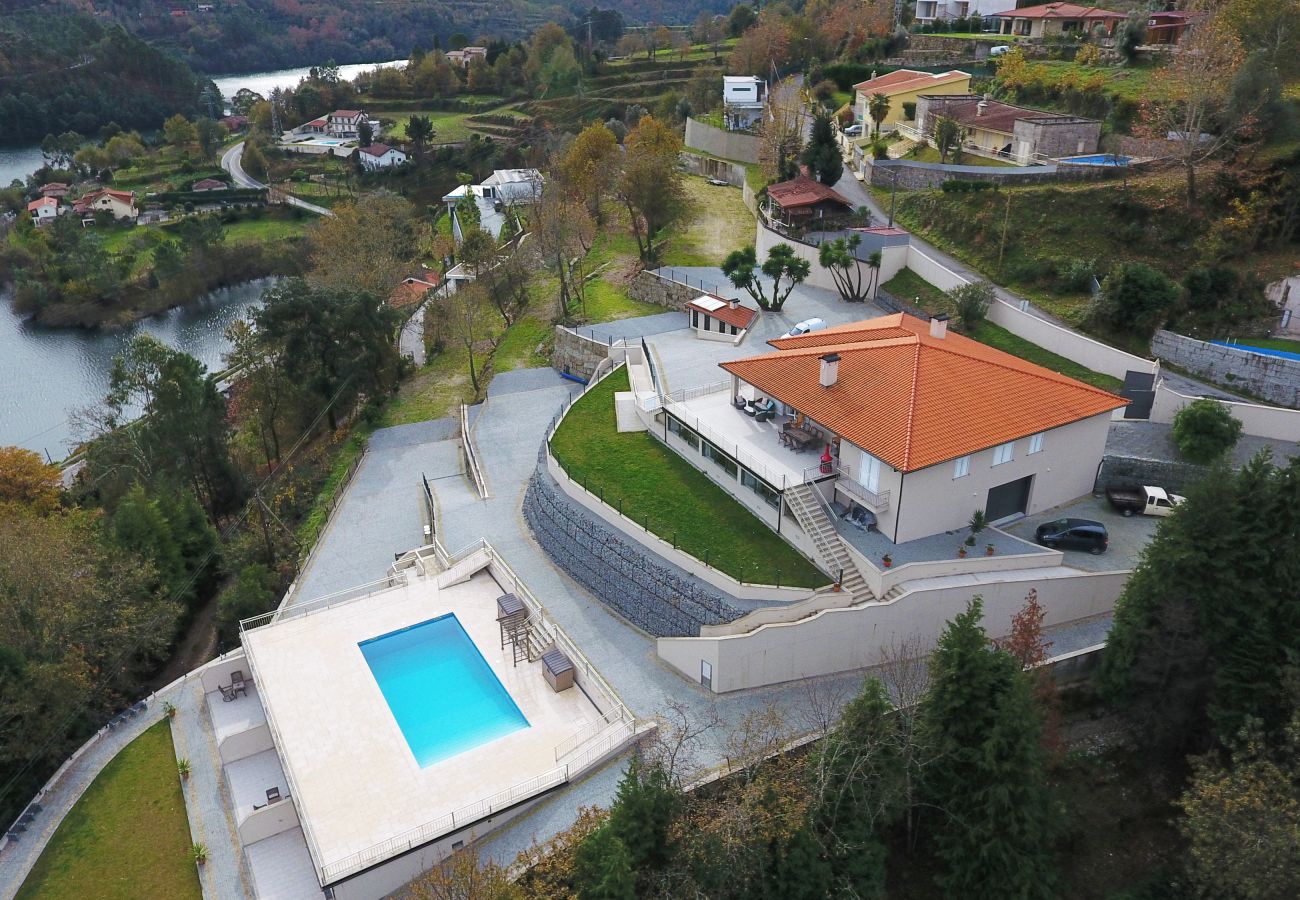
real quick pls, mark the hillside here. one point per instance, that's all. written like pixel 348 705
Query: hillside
pixel 71 72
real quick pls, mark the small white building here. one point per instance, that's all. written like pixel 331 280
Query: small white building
pixel 743 99
pixel 715 319
pixel 46 209
pixel 380 156
pixel 503 188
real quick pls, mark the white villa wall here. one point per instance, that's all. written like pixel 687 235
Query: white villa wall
pixel 268 821
pixel 255 740
pixel 842 640
pixel 1261 421
pixel 933 501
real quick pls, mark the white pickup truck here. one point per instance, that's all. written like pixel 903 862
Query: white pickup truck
pixel 1148 500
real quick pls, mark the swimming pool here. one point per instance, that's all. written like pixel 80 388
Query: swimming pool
pixel 1266 351
pixel 439 688
pixel 1096 159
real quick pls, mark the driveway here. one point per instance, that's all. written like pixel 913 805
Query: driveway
pixel 232 162
pixel 1128 536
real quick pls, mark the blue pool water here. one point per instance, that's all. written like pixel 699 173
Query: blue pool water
pixel 440 690
pixel 1096 159
pixel 1266 351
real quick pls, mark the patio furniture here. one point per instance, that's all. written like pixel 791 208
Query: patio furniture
pixel 766 412
pixel 273 795
pixel 800 439
pixel 227 693
pixel 237 683
pixel 558 670
pixel 751 408
pixel 739 402
pixel 861 517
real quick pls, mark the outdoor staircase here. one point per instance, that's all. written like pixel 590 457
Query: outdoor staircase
pixel 811 516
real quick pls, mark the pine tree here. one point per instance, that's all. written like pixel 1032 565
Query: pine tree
pixel 984 733
pixel 602 868
pixel 822 155
pixel 140 527
pixel 643 814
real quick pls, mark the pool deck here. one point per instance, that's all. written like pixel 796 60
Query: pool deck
pixel 357 782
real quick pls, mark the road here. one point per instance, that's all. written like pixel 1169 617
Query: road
pixel 857 194
pixel 231 162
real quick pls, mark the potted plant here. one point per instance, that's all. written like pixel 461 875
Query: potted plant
pixel 887 560
pixel 988 550
pixel 183 768
pixel 961 551
pixel 978 522
pixel 170 709
pixel 970 540
pixel 200 853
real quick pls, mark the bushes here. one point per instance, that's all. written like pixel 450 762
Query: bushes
pixel 962 186
pixel 972 302
pixel 909 110
pixel 1134 299
pixel 1204 430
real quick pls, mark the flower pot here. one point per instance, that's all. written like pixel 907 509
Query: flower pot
pixel 961 552
pixel 887 561
pixel 988 551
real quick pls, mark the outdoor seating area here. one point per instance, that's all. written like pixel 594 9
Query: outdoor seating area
pixel 794 432
pixel 255 782
pixel 237 686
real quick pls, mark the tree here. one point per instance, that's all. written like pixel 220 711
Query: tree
pixel 209 133
pixel 366 134
pixel 1178 657
pixel 419 130
pixel 840 257
pixel 1271 26
pixel 988 781
pixel 708 29
pixel 140 527
pixel 650 185
pixel 643 814
pixel 878 109
pixel 368 245
pixel 1130 36
pixel 588 170
pixel 948 135
pixel 251 595
pixel 1204 430
pixel 28 482
pixel 972 302
pixel 468 309
pixel 565 232
pixel 763 47
pixel 1028 645
pixel 179 131
pixel 780 134
pixel 742 268
pixel 463 877
pixel 741 18
pixel 244 100
pixel 1134 299
pixel 253 161
pixel 602 868
pixel 822 155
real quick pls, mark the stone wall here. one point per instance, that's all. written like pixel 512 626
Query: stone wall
pixel 1126 471
pixel 707 167
pixel 1057 137
pixel 724 144
pixel 636 584
pixel 919 176
pixel 1272 378
pixel 575 354
pixel 650 288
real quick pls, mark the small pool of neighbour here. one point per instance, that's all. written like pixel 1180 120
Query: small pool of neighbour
pixel 1097 159
pixel 440 689
pixel 1266 351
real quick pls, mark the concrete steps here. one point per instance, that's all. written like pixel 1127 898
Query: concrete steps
pixel 811 516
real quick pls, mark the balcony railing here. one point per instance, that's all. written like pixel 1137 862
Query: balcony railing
pixel 873 501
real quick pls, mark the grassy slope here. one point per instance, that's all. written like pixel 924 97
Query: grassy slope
pixel 1283 344
pixel 127 837
pixel 448 127
pixel 652 484
pixel 928 154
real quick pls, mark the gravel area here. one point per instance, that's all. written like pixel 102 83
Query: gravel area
pixel 1129 536
pixel 1152 440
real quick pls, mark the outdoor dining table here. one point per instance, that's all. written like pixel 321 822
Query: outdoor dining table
pixel 800 439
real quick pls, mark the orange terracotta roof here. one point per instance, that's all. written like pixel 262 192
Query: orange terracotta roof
pixel 1058 11
pixel 411 290
pixel 912 400
pixel 804 191
pixel 43 201
pixel 903 80
pixel 740 316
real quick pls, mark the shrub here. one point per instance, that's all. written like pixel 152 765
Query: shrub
pixel 1088 55
pixel 1073 274
pixel 1204 430
pixel 824 90
pixel 1134 299
pixel 962 186
pixel 972 302
pixel 909 110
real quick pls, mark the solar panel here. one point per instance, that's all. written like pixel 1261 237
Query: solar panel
pixel 709 304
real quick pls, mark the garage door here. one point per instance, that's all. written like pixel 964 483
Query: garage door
pixel 1008 499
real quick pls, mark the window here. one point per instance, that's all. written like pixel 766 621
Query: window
pixel 961 468
pixel 760 487
pixel 870 472
pixel 706 673
pixel 1036 443
pixel 720 459
pixel 1004 453
pixel 690 437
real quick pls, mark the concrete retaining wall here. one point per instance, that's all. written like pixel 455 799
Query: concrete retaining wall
pixel 1272 378
pixel 707 167
pixel 622 574
pixel 716 142
pixel 650 288
pixel 1131 470
pixel 1262 421
pixel 840 640
pixel 919 176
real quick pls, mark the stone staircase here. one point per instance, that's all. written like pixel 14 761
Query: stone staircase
pixel 811 516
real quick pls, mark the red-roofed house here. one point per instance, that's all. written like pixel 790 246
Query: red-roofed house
pixel 235 122
pixel 716 319
pixel 46 209
pixel 804 200
pixel 1170 26
pixel 54 189
pixel 345 123
pixel 905 86
pixel 1018 133
pixel 1056 18
pixel 918 425
pixel 209 184
pixel 380 156
pixel 120 203
pixel 412 289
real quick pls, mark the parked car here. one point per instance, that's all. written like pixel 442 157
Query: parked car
pixel 1074 534
pixel 1148 500
pixel 999 49
pixel 804 327
pixel 853 131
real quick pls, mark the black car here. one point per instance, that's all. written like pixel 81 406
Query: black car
pixel 1073 534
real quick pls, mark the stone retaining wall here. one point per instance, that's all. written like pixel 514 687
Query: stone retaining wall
pixel 706 167
pixel 575 354
pixel 1132 470
pixel 623 575
pixel 650 288
pixel 919 176
pixel 1272 378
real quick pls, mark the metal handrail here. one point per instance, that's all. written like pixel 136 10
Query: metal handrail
pixel 315 605
pixel 471 455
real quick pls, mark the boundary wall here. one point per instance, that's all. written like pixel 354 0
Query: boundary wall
pixel 1275 379
pixel 892 259
pixel 1262 421
pixel 725 144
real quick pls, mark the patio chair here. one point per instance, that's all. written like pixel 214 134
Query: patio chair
pixel 237 682
pixel 766 412
pixel 227 693
pixel 273 795
pixel 751 408
pixel 739 402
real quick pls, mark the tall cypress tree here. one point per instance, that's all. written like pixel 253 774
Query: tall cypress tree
pixel 822 155
pixel 602 868
pixel 987 777
pixel 643 814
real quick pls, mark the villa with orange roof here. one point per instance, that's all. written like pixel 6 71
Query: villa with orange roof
pixel 900 417
pixel 905 86
pixel 1047 19
pixel 120 203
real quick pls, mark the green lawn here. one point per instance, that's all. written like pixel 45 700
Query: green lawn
pixel 971 36
pixel 448 127
pixel 928 154
pixel 127 837
pixel 912 289
pixel 653 485
pixel 1287 346
pixel 267 229
pixel 1130 82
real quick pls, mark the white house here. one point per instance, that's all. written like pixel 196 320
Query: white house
pixel 929 10
pixel 345 123
pixel 743 100
pixel 503 188
pixel 120 203
pixel 715 319
pixel 380 156
pixel 46 209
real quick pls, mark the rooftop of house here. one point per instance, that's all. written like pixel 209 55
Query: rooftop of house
pixel 741 79
pixel 1058 11
pixel 913 398
pixel 728 311
pixel 377 150
pixel 208 184
pixel 975 111
pixel 804 191
pixel 903 80
pixel 412 290
pixel 513 176
pixel 43 201
pixel 120 196
pixel 54 186
pixel 345 113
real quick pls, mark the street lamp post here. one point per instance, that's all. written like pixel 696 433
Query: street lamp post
pixel 893 190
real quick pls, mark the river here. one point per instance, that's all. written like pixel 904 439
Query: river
pixel 264 82
pixel 46 374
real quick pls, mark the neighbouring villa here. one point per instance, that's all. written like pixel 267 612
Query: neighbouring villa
pixel 1049 19
pixel 209 184
pixel 804 201
pixel 715 319
pixel 929 10
pixel 363 736
pixel 744 97
pixel 413 289
pixel 44 210
pixel 501 189
pixel 1016 133
pixel 904 86
pixel 380 156
pixel 464 58
pixel 121 204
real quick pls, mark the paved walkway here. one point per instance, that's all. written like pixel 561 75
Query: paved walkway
pixel 410 342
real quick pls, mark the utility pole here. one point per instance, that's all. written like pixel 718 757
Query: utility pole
pixel 1006 220
pixel 893 192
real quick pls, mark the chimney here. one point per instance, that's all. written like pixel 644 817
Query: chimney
pixel 981 107
pixel 939 326
pixel 830 369
pixel 735 303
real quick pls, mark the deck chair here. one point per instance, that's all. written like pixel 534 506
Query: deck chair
pixel 237 682
pixel 273 795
